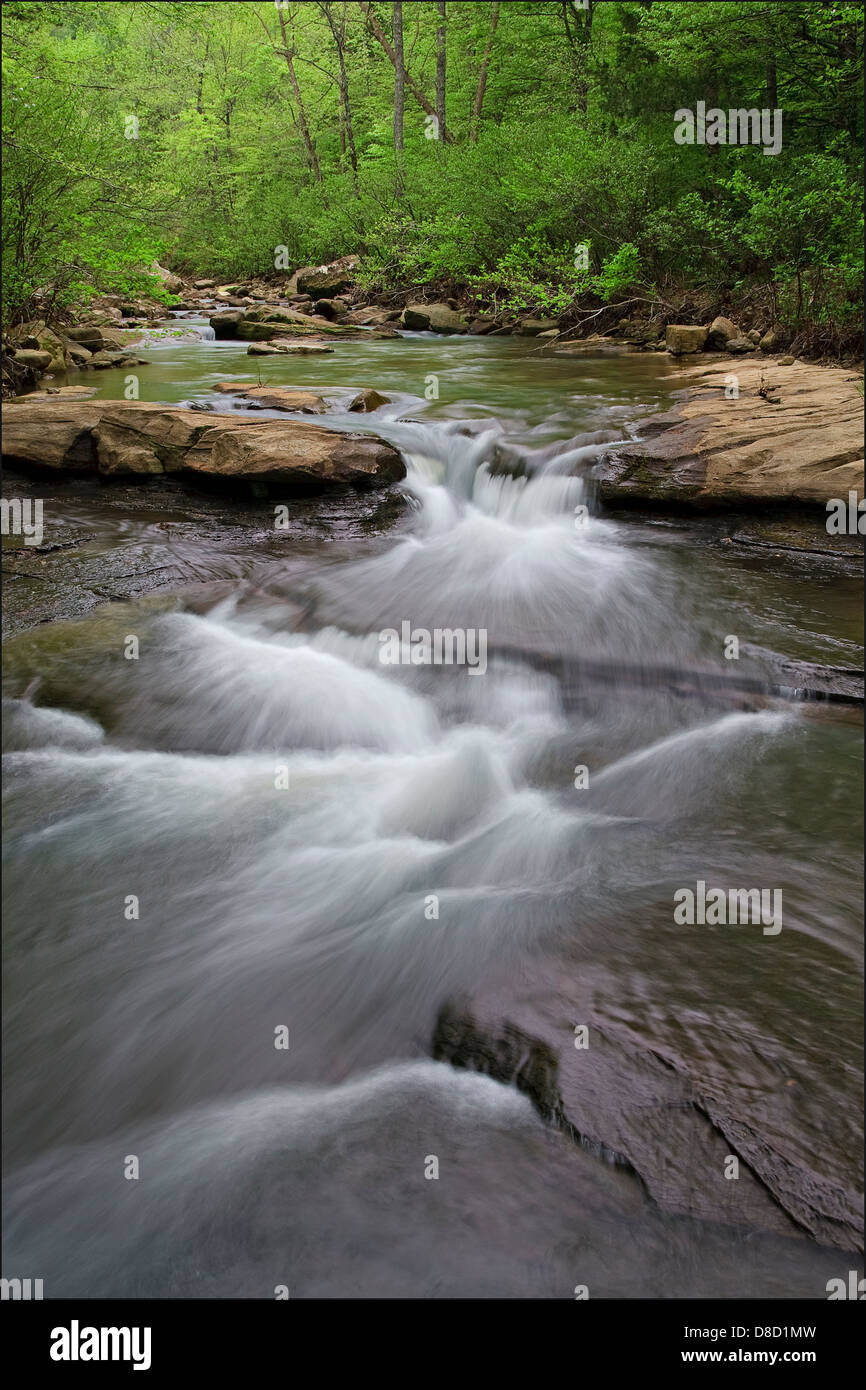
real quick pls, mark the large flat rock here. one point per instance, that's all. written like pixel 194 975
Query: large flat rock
pixel 116 438
pixel 793 434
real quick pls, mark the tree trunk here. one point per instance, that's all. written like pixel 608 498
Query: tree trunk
pixel 302 115
pixel 772 90
pixel 440 70
pixel 399 95
pixel 482 77
pixel 339 33
pixel 379 35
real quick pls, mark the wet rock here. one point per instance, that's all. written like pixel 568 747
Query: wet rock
pixel 281 345
pixel 670 1116
pixel 225 325
pixel 368 400
pixel 415 318
pixel 276 397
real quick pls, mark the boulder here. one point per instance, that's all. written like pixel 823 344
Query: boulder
pixel 79 355
pixel 331 309
pixel 101 360
pixel 682 338
pixel 707 454
pixel 225 325
pixel 322 284
pixel 52 433
pixel 95 337
pixel 204 284
pixel 721 331
pixel 415 317
pixel 483 324
pixel 38 336
pixel 739 345
pixel 753 336
pixel 368 400
pixel 444 319
pixel 288 452
pixel 254 332
pixel 33 357
pixel 118 438
pixel 530 328
pixel 771 341
pixel 172 284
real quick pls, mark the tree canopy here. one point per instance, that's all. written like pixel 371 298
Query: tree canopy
pixel 476 145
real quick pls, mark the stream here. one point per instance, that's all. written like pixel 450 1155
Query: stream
pixel 323 849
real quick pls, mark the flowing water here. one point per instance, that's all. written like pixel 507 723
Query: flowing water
pixel 324 849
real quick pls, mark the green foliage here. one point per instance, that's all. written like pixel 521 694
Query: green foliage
pixel 574 145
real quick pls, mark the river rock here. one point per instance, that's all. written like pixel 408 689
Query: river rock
pixel 532 328
pixel 225 325
pixel 117 438
pixel 721 331
pixel 444 319
pixel 710 452
pixel 256 332
pixel 277 397
pixel 323 284
pixel 33 357
pixel 171 283
pixel 281 345
pixel 682 338
pixel 368 400
pixel 415 317
pixel 65 393
pixel 771 341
